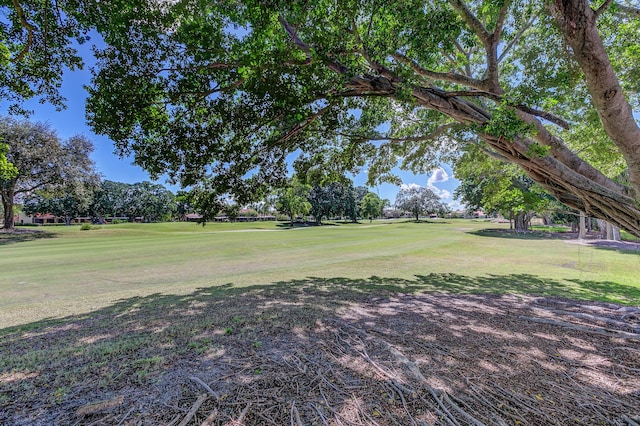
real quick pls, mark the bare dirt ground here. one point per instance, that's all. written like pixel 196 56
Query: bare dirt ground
pixel 327 353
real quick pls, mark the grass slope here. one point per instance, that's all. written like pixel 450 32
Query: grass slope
pixel 68 271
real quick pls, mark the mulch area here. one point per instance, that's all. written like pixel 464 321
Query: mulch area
pixel 308 355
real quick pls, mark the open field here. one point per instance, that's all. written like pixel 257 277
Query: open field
pixel 341 324
pixel 68 271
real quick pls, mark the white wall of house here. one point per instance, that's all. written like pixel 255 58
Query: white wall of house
pixel 23 219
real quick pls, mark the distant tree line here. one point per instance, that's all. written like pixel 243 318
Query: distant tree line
pixel 327 200
pixel 48 175
pixel 143 201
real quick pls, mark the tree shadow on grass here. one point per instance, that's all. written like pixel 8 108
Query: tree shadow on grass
pixel 287 225
pixel 625 247
pixel 333 340
pixel 528 235
pixel 23 235
pixel 424 221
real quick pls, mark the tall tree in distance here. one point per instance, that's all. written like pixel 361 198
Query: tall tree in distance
pixel 418 200
pixel 43 162
pixel 292 200
pixel 372 206
pixel 109 200
pixel 148 201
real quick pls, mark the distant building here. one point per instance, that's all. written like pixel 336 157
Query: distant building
pixel 192 217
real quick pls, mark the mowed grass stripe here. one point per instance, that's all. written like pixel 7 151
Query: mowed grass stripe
pixel 76 271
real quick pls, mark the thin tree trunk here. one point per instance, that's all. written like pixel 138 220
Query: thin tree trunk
pixel 613 232
pixel 582 229
pixel 602 228
pixel 7 205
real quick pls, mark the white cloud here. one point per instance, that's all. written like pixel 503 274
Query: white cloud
pixel 442 193
pixel 456 205
pixel 409 186
pixel 438 175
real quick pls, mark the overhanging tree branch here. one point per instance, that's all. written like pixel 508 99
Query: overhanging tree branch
pixel 502 16
pixel 603 7
pixel 333 65
pixel 432 75
pixel 517 38
pixel 27 26
pixel 471 20
pixel 437 132
pixel 628 10
pixel 577 22
pixel 497 98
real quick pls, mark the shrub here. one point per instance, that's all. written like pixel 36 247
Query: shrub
pixel 86 227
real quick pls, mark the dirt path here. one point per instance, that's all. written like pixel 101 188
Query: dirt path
pixel 309 355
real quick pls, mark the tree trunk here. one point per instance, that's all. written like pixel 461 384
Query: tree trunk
pixel 582 229
pixel 521 222
pixel 616 233
pixel 613 232
pixel 577 22
pixel 7 205
pixel 291 217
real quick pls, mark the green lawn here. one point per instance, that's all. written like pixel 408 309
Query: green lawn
pixel 68 271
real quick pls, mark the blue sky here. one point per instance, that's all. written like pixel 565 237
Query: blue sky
pixel 71 121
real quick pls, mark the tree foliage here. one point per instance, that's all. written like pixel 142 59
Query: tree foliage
pixel 218 94
pixel 496 187
pixel 292 200
pixel 372 206
pixel 68 203
pixel 7 170
pixel 335 199
pixel 109 200
pixel 146 201
pixel 38 42
pixel 418 200
pixel 43 162
pixel 149 201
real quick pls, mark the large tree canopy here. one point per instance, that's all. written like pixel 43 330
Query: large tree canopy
pixel 43 163
pixel 225 91
pixel 38 40
pixel 496 187
pixel 418 200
